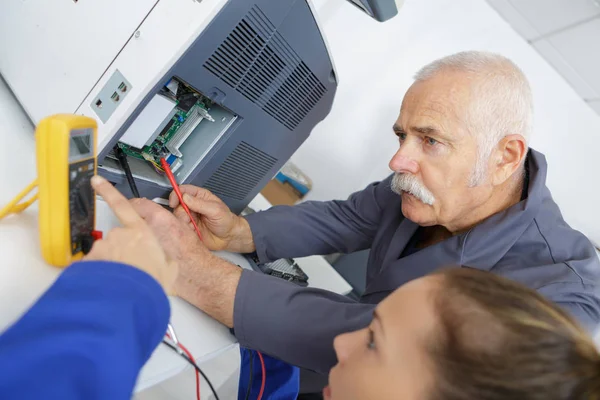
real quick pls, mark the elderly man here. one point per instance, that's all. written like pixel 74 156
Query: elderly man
pixel 466 190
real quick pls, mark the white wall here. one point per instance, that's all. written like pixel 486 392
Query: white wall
pixel 375 63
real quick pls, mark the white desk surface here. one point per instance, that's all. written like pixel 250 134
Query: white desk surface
pixel 24 276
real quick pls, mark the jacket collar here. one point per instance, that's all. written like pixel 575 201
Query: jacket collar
pixel 481 247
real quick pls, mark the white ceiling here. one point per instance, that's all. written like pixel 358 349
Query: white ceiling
pixel 566 33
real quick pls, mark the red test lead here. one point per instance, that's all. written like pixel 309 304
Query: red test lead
pixel 171 177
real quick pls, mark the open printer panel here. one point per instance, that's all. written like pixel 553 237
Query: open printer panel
pixel 261 77
pixel 226 90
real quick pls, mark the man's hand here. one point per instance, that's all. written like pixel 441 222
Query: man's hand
pixel 204 280
pixel 180 243
pixel 221 229
pixel 133 244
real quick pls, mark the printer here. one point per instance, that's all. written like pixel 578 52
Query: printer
pixel 225 90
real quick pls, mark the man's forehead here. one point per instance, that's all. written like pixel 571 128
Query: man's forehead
pixel 430 106
pixel 434 110
pixel 428 118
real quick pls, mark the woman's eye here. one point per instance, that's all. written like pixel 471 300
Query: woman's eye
pixel 371 341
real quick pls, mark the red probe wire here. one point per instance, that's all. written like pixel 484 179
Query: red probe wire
pixel 171 177
pixel 191 357
pixel 186 351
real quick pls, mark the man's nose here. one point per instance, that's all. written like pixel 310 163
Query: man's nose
pixel 344 344
pixel 403 162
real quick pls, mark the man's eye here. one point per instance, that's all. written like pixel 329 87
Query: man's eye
pixel 431 141
pixel 402 135
pixel 371 341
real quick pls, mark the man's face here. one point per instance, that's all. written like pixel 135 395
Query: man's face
pixel 437 153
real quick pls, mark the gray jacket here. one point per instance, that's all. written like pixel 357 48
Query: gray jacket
pixel 528 242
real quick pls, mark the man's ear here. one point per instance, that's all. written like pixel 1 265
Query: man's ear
pixel 509 154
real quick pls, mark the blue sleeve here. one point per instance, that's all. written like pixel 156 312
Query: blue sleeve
pixel 87 337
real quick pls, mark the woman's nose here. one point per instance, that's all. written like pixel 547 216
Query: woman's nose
pixel 346 343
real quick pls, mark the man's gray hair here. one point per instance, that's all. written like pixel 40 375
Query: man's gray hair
pixel 502 103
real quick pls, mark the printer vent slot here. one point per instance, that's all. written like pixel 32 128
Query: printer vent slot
pixel 242 170
pixel 257 62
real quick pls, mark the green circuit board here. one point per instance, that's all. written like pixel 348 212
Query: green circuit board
pixel 156 149
pixel 188 101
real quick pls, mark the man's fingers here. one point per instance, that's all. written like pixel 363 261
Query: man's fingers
pixel 181 215
pixel 147 209
pixel 201 206
pixel 116 201
pixel 173 200
pixel 114 233
pixel 196 191
pixel 191 190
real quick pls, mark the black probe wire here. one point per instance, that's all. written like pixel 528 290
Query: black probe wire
pixel 214 392
pixel 122 157
pixel 251 374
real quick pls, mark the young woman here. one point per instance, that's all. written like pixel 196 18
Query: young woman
pixel 466 334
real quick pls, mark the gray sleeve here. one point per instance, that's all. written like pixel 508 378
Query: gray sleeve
pixel 320 227
pixel 579 300
pixel 292 323
pixel 585 315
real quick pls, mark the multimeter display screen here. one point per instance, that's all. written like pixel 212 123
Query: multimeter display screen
pixel 82 167
pixel 80 145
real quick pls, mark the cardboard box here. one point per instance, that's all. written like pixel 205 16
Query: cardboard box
pixel 278 193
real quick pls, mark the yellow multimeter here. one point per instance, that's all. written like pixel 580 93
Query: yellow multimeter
pixel 66 162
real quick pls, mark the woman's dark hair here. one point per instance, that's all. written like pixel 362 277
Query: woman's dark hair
pixel 501 340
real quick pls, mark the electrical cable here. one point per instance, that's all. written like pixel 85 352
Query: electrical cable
pixel 251 374
pixel 196 371
pixel 181 349
pixel 158 167
pixel 193 364
pixel 14 207
pixel 171 177
pixel 122 157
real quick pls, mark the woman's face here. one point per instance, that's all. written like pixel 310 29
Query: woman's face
pixel 388 359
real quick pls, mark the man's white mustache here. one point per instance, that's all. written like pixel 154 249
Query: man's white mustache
pixel 410 184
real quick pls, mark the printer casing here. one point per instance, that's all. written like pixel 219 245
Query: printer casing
pixel 265 65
